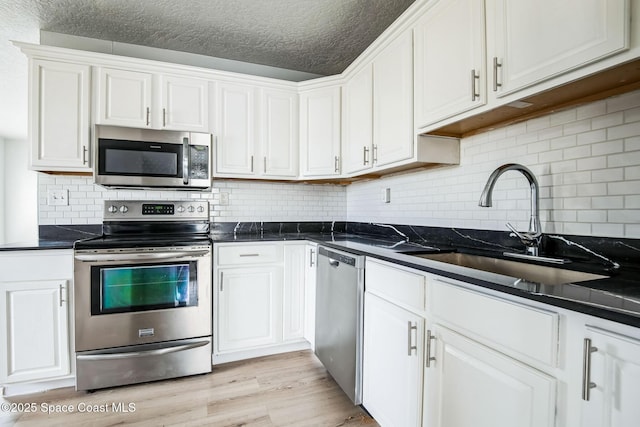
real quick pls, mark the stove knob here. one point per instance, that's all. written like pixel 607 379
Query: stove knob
pixel 200 209
pixel 191 209
pixel 112 209
pixel 180 209
pixel 124 209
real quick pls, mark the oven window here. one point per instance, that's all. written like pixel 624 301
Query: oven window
pixel 143 287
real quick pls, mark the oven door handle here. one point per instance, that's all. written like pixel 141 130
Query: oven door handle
pixel 144 353
pixel 140 256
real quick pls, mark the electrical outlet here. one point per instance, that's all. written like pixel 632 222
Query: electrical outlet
pixel 58 197
pixel 224 199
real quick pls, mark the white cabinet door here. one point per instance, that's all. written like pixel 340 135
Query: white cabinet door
pixel 469 384
pixel 615 376
pixel 34 330
pixel 279 132
pixel 392 363
pixel 393 135
pixel 59 116
pixel 293 322
pixel 320 132
pixel 357 123
pixel 235 129
pixel 249 307
pixel 450 54
pixel 185 103
pixel 124 98
pixel 529 41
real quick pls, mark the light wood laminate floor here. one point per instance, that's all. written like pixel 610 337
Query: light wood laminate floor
pixel 290 389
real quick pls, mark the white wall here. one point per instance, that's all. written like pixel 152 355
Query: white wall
pixel 248 201
pixel 20 211
pixel 587 160
pixel 2 171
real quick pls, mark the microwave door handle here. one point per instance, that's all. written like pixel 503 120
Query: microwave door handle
pixel 185 160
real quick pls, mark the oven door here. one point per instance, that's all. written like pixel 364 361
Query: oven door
pixel 137 296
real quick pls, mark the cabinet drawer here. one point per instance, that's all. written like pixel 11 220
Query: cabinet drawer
pixel 508 326
pixel 243 254
pixel 395 284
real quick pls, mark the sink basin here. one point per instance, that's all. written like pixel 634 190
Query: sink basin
pixel 529 272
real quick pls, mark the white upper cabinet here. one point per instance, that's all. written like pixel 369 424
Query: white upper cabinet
pixel 320 132
pixel 357 126
pixel 235 130
pixel 256 132
pixel 130 98
pixel 529 41
pixel 450 75
pixel 59 116
pixel 279 132
pixel 393 135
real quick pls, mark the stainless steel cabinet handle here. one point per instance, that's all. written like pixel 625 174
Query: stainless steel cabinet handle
pixel 164 117
pixel 587 385
pixel 243 255
pixel 221 281
pixel 148 116
pixel 375 154
pixel 251 163
pixel 365 160
pixel 264 164
pixel 411 347
pixel 496 65
pixel 61 299
pixel 84 155
pixel 311 252
pixel 475 79
pixel 430 359
pixel 336 163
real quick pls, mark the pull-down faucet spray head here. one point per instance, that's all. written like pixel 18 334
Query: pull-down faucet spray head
pixel 532 237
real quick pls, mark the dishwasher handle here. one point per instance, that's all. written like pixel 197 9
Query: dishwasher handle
pixel 335 257
pixel 334 262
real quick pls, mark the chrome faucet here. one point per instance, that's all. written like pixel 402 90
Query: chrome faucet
pixel 533 237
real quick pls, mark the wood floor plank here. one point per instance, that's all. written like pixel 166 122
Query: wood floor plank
pixel 291 389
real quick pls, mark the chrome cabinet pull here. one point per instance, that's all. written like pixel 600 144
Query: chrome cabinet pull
pixel 164 117
pixel 311 262
pixel 411 347
pixel 375 154
pixel 430 359
pixel 61 300
pixel 243 255
pixel 587 385
pixel 336 163
pixel 84 155
pixel 251 163
pixel 475 79
pixel 221 281
pixel 264 164
pixel 365 160
pixel 496 65
pixel 148 116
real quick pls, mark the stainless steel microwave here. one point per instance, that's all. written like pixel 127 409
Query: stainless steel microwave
pixel 147 158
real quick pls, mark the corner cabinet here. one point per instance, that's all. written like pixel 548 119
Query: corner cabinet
pixel 59 116
pixel 151 100
pixel 259 299
pixel 34 326
pixel 320 132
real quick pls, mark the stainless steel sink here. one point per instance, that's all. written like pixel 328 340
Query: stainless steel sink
pixel 529 272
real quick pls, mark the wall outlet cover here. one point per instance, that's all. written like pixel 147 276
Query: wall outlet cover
pixel 58 197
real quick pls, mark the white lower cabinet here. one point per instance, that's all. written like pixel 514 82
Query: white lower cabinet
pixel 393 355
pixel 611 362
pixel 259 299
pixel 34 325
pixel 469 384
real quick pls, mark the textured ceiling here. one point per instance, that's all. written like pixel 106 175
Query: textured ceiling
pixel 314 36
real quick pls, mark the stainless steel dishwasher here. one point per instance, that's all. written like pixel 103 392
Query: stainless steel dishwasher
pixel 339 316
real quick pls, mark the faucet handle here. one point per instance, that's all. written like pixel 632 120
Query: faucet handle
pixel 529 239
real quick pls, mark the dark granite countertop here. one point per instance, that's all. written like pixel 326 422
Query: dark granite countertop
pixel 615 298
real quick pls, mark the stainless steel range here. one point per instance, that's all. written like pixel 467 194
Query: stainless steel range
pixel 143 295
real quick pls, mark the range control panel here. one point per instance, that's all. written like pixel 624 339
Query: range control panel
pixel 145 210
